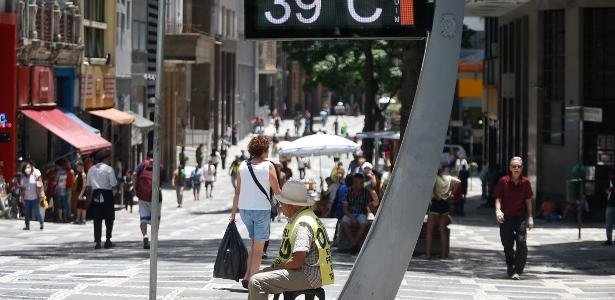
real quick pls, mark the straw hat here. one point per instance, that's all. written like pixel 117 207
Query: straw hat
pixel 294 193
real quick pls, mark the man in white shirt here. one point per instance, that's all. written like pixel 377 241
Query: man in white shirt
pixel 101 182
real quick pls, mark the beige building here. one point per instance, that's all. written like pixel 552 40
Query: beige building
pixel 544 59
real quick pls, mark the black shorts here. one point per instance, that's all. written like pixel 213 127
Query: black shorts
pixel 438 207
pixel 209 183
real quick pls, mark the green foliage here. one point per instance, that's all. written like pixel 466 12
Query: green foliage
pixel 340 65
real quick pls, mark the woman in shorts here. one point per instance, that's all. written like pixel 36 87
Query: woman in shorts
pixel 438 213
pixel 253 201
pixel 210 178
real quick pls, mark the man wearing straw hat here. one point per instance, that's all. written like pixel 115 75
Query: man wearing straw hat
pixel 304 260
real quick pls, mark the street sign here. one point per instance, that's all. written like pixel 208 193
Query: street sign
pixel 336 19
pixel 592 114
pixel 588 114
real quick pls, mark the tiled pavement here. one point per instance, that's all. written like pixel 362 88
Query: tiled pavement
pixel 60 262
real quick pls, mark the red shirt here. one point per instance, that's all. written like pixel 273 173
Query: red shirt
pixel 513 195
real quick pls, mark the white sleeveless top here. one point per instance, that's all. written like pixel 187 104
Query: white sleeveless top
pixel 250 196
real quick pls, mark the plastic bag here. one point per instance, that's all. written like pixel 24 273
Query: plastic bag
pixel 231 262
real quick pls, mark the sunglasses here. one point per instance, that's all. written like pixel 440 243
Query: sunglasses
pixel 516 166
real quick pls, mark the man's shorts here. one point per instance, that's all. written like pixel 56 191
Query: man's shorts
pixel 60 201
pixel 145 212
pixel 257 222
pixel 361 219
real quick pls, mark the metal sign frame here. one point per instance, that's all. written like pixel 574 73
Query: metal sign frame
pixel 422 14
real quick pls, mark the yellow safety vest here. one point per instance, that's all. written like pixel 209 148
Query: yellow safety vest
pixel 320 239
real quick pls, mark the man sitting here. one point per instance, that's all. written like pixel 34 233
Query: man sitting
pixel 356 205
pixel 304 260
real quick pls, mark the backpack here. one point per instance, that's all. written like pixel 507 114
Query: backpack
pixel 196 177
pixel 144 182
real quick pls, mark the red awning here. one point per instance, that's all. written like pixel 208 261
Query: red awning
pixel 67 129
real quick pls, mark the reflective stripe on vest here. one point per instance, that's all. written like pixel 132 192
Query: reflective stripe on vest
pixel 320 239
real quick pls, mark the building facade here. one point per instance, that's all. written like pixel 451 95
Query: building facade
pixel 544 59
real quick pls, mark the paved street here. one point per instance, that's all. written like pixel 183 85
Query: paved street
pixel 60 262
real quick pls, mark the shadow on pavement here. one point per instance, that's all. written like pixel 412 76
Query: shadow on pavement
pixel 544 261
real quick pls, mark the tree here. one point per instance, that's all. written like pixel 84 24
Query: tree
pixel 368 67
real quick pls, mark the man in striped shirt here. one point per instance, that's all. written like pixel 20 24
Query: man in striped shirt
pixel 356 206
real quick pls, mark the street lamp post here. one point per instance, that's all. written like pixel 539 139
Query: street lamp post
pixel 155 221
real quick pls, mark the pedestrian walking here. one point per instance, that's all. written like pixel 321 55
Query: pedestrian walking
pixel 464 175
pixel 276 123
pixel 214 158
pixel 31 192
pixel 297 123
pixel 101 182
pixel 287 134
pixel 305 260
pixel 256 184
pixel 80 189
pixel 144 187
pixel 179 181
pixel 336 126
pixel 234 170
pixel 128 189
pixel 438 212
pixel 196 179
pixel 63 182
pixel 199 154
pixel 223 154
pixel 210 178
pixel 513 210
pixel 301 167
pixel 610 208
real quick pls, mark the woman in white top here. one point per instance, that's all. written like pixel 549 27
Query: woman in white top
pixel 210 178
pixel 253 203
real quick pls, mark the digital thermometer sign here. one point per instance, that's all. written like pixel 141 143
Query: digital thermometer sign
pixel 335 19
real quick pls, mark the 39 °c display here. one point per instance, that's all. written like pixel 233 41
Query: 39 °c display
pixel 335 19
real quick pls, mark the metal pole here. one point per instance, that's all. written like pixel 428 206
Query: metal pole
pixel 400 216
pixel 155 221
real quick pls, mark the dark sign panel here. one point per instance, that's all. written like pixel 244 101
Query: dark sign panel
pixel 335 19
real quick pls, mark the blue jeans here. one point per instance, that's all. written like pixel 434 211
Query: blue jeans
pixel 610 222
pixel 32 206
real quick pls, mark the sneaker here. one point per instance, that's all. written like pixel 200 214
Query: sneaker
pixel 264 256
pixel 97 246
pixel 608 243
pixel 26 228
pixel 42 226
pixel 145 243
pixel 109 244
pixel 515 276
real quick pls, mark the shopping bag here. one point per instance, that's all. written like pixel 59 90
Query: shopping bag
pixel 231 262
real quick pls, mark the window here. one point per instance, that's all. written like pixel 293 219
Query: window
pixel 94 10
pixel 553 115
pixel 128 15
pixel 139 36
pixel 94 42
pixel 599 83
